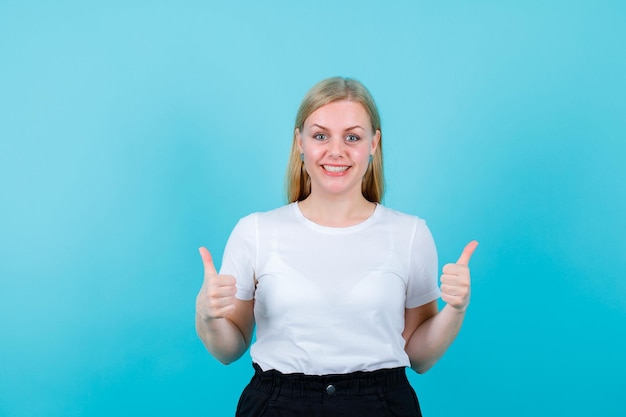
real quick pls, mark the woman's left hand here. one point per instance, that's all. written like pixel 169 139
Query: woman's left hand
pixel 455 280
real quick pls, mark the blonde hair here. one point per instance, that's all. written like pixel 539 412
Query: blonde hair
pixel 322 93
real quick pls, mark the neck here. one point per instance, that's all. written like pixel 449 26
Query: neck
pixel 336 211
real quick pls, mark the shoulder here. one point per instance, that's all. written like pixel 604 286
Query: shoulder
pixel 399 218
pixel 411 226
pixel 274 216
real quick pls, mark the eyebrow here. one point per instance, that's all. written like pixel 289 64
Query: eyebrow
pixel 349 128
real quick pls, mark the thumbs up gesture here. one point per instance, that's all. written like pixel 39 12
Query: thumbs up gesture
pixel 455 280
pixel 216 298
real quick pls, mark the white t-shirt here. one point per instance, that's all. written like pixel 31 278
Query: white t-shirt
pixel 331 300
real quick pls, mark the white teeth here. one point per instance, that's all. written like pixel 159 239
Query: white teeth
pixel 335 168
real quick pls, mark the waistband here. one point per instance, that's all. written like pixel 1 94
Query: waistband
pixel 354 383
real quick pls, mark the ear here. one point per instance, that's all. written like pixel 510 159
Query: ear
pixel 298 139
pixel 375 141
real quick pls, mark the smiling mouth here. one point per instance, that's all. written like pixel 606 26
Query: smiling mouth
pixel 332 168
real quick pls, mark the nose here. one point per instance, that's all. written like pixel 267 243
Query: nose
pixel 335 148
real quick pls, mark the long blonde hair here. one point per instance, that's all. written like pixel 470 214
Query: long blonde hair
pixel 325 92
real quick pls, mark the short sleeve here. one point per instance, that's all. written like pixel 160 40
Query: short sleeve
pixel 422 285
pixel 240 256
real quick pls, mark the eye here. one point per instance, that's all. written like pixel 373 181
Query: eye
pixel 352 138
pixel 319 136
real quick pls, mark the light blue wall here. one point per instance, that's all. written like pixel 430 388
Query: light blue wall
pixel 131 134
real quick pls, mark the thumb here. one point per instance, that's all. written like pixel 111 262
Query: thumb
pixel 207 261
pixel 467 253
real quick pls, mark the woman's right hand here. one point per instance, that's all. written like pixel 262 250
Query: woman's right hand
pixel 216 298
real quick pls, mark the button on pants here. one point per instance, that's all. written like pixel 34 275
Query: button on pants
pixel 384 392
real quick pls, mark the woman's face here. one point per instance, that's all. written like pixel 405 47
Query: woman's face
pixel 337 140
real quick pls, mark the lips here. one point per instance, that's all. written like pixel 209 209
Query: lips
pixel 335 168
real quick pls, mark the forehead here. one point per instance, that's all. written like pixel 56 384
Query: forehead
pixel 340 114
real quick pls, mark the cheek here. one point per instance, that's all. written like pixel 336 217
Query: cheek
pixel 313 152
pixel 363 153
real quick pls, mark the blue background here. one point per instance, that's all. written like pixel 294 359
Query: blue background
pixel 131 133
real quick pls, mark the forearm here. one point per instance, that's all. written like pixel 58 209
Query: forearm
pixel 222 338
pixel 433 337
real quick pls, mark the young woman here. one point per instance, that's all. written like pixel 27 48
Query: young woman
pixel 343 290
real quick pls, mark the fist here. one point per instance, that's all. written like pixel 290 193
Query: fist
pixel 216 298
pixel 455 279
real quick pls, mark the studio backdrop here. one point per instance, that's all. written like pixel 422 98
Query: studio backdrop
pixel 132 133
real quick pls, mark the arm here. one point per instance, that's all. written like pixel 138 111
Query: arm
pixel 227 338
pixel 430 333
pixel 223 322
pixel 433 333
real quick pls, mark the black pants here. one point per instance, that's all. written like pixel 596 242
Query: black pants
pixel 381 393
